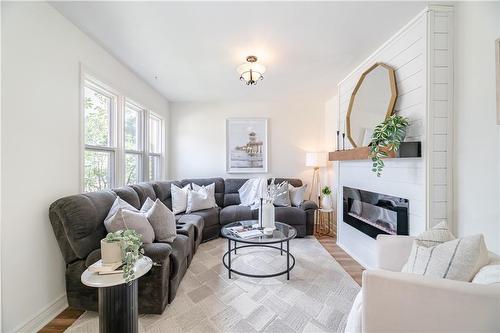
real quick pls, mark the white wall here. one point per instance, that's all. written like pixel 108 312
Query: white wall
pixel 331 127
pixel 477 137
pixel 41 55
pixel 198 137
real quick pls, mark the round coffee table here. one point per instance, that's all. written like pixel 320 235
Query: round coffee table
pixel 282 234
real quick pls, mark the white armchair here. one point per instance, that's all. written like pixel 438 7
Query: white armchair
pixel 403 302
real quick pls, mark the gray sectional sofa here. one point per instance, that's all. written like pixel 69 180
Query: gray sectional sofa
pixel 77 222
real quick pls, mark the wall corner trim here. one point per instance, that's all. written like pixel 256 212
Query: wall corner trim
pixel 44 316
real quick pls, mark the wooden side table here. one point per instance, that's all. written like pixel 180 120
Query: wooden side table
pixel 118 300
pixel 325 222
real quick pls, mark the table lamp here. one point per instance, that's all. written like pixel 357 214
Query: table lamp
pixel 315 160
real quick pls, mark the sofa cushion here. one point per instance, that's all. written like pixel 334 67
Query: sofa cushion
pixel 235 213
pixel 290 215
pixel 231 195
pixel 93 257
pixel 128 195
pixel 219 187
pixel 144 191
pixel 210 216
pixel 181 251
pixel 78 222
pixel 158 252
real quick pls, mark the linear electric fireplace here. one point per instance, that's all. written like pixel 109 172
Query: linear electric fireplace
pixel 375 213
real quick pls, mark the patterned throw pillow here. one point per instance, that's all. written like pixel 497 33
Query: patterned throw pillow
pixel 459 259
pixel 279 192
pixel 437 235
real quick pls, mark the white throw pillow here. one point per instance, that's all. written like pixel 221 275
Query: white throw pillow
pixel 489 274
pixel 123 216
pixel 354 319
pixel 179 198
pixel 459 259
pixel 297 194
pixel 198 200
pixel 437 235
pixel 211 192
pixel 161 219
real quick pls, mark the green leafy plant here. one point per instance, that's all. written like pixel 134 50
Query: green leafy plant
pixel 326 190
pixel 131 244
pixel 387 136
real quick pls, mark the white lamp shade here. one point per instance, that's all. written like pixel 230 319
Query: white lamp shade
pixel 316 159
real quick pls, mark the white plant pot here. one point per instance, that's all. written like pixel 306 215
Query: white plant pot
pixel 326 202
pixel 111 252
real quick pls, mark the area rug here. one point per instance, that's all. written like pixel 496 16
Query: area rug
pixel 317 298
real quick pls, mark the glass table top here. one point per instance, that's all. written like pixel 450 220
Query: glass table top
pixel 283 232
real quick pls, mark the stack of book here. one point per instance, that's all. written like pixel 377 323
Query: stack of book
pixel 102 269
pixel 245 232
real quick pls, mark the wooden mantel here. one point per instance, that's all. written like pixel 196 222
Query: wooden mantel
pixel 406 150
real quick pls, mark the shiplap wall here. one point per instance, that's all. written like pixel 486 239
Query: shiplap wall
pixel 419 54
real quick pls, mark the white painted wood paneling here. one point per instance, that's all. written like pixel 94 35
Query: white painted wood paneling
pixel 420 53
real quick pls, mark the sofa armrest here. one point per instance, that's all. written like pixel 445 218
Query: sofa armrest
pixel 158 252
pixel 393 251
pixel 308 205
pixel 403 302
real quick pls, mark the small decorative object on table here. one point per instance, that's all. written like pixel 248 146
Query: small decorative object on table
pixel 326 197
pixel 118 301
pixel 387 136
pixel 338 140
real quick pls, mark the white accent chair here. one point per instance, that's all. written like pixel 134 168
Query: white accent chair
pixel 402 302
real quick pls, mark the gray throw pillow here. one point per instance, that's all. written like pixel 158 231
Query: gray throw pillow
pixel 121 217
pixel 162 220
pixel 297 194
pixel 280 195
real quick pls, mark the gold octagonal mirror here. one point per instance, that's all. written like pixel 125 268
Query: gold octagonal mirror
pixel 372 101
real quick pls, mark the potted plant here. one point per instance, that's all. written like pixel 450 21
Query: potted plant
pixel 131 249
pixel 387 136
pixel 326 199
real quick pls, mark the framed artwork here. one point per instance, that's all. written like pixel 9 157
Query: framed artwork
pixel 246 145
pixel 497 62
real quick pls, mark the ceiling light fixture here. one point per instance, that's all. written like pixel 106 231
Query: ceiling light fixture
pixel 251 71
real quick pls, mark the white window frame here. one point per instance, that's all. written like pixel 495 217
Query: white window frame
pixel 117 136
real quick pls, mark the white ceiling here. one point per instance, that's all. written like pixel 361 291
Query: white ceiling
pixel 194 47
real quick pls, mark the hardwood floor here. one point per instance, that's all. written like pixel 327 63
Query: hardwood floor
pixel 62 321
pixel 351 266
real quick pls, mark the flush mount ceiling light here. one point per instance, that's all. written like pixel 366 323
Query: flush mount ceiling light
pixel 251 71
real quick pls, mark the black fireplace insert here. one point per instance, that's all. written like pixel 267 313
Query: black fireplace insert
pixel 375 213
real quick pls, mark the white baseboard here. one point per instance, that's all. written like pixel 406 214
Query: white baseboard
pixel 353 256
pixel 44 316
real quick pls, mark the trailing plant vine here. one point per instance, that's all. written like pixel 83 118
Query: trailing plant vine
pixel 131 244
pixel 387 136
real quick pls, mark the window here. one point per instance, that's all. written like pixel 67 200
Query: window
pixel 134 152
pixel 122 140
pixel 155 147
pixel 100 130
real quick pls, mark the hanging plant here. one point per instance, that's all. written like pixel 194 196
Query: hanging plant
pixel 131 244
pixel 387 136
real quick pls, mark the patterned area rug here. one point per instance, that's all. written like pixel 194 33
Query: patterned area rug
pixel 317 298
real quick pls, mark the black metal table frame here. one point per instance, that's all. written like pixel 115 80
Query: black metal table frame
pixel 253 244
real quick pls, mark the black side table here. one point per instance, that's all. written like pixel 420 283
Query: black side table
pixel 118 300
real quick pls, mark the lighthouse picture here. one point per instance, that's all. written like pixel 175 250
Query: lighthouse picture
pixel 246 146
